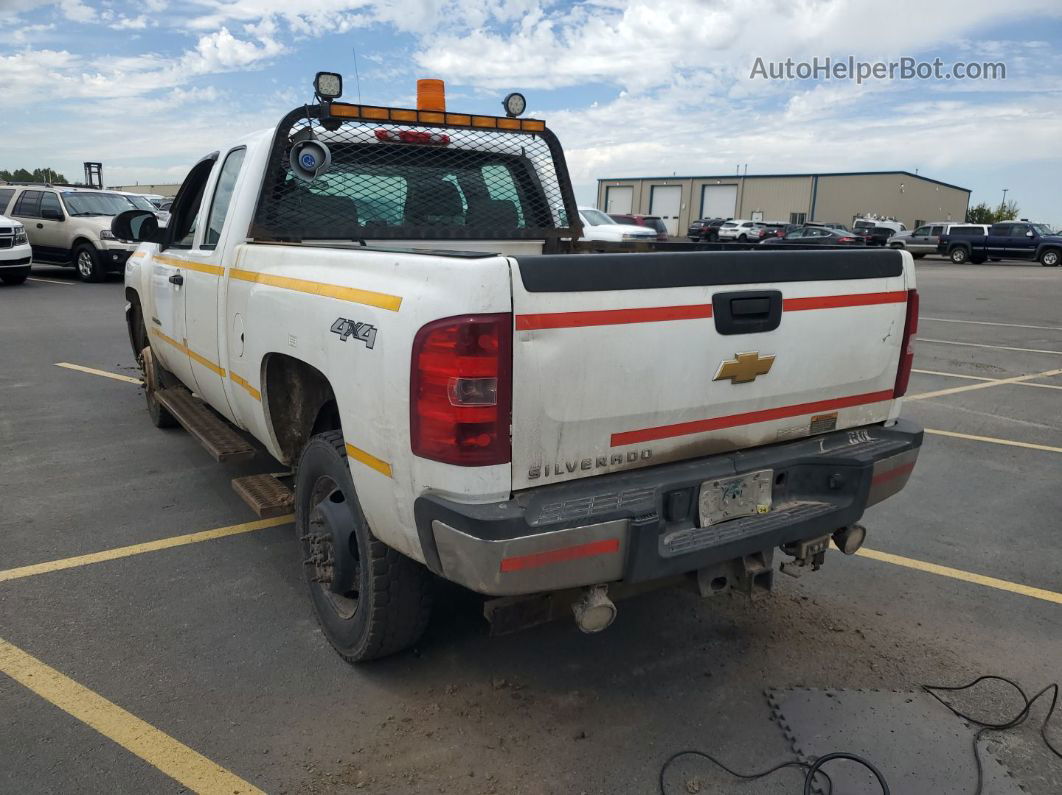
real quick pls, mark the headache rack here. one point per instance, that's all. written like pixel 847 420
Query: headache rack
pixel 400 174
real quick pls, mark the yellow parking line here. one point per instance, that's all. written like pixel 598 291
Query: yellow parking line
pixel 189 768
pixel 93 371
pixel 993 440
pixel 994 347
pixel 965 576
pixel 984 385
pixel 953 375
pixel 139 549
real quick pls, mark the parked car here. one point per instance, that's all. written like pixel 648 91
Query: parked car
pixel 15 252
pixel 869 223
pixel 774 229
pixel 1011 239
pixel 72 226
pixel 652 221
pixel 876 235
pixel 597 225
pixel 740 230
pixel 922 240
pixel 705 229
pixel 818 236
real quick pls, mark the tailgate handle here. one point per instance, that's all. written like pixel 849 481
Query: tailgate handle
pixel 747 311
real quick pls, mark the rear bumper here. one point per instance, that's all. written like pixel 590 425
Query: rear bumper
pixel 643 525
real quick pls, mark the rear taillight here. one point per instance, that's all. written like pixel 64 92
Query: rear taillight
pixel 910 328
pixel 846 240
pixel 461 390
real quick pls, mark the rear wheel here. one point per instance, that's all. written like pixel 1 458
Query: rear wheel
pixel 743 238
pixel 959 255
pixel 918 256
pixel 370 600
pixel 14 275
pixel 87 263
pixel 1050 258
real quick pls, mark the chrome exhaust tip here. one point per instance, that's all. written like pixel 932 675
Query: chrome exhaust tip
pixel 594 611
pixel 850 539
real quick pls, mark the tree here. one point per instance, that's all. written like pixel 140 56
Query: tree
pixel 982 213
pixel 37 175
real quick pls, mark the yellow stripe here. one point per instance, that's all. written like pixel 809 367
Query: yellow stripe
pixel 965 576
pixel 92 371
pixel 241 382
pixel 983 385
pixel 214 270
pixel 369 460
pixel 136 255
pixel 139 549
pixel 1008 442
pixel 183 346
pixel 158 749
pixel 353 294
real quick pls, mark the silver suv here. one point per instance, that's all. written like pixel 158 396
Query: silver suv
pixel 72 226
pixel 924 239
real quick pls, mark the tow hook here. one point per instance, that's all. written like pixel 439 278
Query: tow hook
pixel 811 552
pixel 594 611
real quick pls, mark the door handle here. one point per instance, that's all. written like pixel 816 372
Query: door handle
pixel 177 279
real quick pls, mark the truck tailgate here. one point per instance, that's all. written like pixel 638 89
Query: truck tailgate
pixel 628 360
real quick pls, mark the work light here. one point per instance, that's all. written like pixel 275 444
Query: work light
pixel 514 104
pixel 328 85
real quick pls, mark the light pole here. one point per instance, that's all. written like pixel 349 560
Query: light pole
pixel 1003 203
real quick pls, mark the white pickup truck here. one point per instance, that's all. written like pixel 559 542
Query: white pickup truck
pixel 388 300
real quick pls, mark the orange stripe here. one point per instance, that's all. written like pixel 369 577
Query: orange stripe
pixel 748 418
pixel 837 301
pixel 607 317
pixel 537 559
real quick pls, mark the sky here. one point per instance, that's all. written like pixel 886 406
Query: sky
pixel 631 87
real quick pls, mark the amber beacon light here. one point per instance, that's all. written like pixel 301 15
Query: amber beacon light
pixel 431 95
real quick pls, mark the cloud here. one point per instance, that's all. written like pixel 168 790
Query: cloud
pixel 130 23
pixel 76 11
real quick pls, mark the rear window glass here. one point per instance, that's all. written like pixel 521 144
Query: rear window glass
pixel 966 231
pixel 5 197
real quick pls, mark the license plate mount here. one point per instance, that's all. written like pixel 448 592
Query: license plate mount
pixel 723 499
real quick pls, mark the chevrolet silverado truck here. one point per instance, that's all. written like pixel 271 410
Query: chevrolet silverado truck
pixel 394 303
pixel 1007 239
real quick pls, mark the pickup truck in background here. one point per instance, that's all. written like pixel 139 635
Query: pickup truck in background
pixel 1007 239
pixel 394 303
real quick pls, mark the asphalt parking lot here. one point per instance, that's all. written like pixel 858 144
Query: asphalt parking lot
pixel 197 663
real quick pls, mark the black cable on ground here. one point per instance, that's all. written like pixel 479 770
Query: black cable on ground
pixel 813 769
pixel 1017 720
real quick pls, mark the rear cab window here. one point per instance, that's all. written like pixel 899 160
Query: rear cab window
pixel 28 204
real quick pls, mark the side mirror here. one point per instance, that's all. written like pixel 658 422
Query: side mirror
pixel 1030 233
pixel 138 226
pixel 52 213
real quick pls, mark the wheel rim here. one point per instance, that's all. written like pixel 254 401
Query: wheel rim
pixel 958 256
pixel 84 263
pixel 332 550
pixel 1051 258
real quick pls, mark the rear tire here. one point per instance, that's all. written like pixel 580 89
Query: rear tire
pixel 918 256
pixel 959 256
pixel 385 599
pixel 87 263
pixel 14 276
pixel 156 377
pixel 1049 258
pixel 743 238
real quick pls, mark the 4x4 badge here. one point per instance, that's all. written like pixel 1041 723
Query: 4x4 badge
pixel 744 367
pixel 352 328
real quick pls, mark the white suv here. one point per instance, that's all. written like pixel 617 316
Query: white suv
pixel 72 226
pixel 15 254
pixel 599 226
pixel 740 230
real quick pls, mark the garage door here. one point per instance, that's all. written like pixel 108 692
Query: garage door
pixel 619 199
pixel 665 201
pixel 718 201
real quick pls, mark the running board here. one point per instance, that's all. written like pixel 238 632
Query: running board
pixel 219 438
pixel 266 495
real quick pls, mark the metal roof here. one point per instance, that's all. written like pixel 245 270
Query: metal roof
pixel 773 176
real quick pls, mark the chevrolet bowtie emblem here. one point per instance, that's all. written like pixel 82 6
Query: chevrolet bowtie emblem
pixel 744 367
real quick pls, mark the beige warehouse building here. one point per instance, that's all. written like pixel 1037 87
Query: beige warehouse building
pixel 791 198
